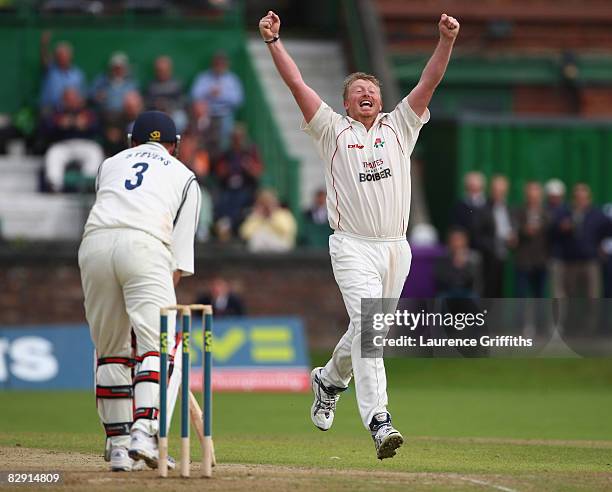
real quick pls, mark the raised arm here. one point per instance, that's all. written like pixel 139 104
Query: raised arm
pixel 433 72
pixel 307 99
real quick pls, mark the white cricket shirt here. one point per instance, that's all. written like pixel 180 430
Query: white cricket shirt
pixel 367 173
pixel 145 188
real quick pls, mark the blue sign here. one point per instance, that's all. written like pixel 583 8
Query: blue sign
pixel 46 357
pixel 62 356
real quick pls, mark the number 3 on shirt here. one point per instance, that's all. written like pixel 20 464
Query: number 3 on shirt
pixel 142 167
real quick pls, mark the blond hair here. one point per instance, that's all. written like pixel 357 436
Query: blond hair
pixel 358 76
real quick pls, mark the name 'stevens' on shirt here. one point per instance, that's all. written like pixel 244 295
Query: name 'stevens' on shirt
pixel 367 173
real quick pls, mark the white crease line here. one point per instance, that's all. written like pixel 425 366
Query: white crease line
pixel 488 484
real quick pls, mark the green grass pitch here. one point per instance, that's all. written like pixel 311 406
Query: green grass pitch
pixel 494 424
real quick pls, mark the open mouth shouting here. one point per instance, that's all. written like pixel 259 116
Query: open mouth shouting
pixel 366 103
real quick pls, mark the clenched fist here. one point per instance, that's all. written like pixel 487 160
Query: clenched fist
pixel 269 26
pixel 449 27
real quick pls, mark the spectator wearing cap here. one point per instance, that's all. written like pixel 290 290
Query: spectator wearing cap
pixel 555 208
pixel 580 231
pixel 108 90
pixel 269 228
pixel 531 222
pixel 222 90
pixel 165 92
pixel 72 131
pixel 60 74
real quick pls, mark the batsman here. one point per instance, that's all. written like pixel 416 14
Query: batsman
pixel 138 242
pixel 366 160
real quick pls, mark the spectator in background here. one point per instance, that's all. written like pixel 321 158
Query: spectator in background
pixel 580 231
pixel 108 91
pixel 555 196
pixel 222 90
pixel 132 107
pixel 237 171
pixel 72 119
pixel 59 74
pixel 194 151
pixel 504 237
pixel 606 248
pixel 269 227
pixel 72 131
pixel 531 223
pixel 165 93
pixel 317 213
pixel 474 216
pixel 206 216
pixel 224 301
pixel 458 273
pixel 555 207
pixel 315 227
pixel 119 125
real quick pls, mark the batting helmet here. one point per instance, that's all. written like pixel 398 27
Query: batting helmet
pixel 154 126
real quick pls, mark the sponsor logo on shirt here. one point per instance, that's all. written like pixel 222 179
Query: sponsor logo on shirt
pixel 372 165
pixel 374 171
pixel 376 176
pixel 355 146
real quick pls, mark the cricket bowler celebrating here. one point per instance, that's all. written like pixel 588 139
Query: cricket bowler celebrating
pixel 366 157
pixel 138 242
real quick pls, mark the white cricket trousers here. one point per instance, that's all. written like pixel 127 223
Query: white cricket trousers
pixel 364 268
pixel 127 276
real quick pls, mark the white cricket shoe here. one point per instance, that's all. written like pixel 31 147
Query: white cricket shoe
pixel 325 399
pixel 144 450
pixel 144 447
pixel 386 439
pixel 120 461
